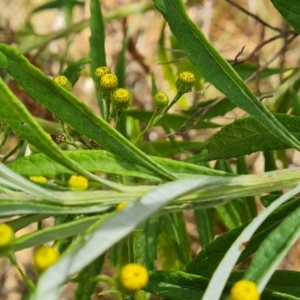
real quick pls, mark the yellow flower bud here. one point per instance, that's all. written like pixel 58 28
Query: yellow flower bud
pixel 133 277
pixel 160 100
pixel 108 82
pixel 121 99
pixel 244 290
pixel 101 71
pixel 185 82
pixel 78 183
pixel 38 179
pixel 121 205
pixel 6 236
pixel 44 257
pixel 63 81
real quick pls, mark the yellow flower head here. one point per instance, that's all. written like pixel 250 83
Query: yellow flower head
pixel 63 81
pixel 160 100
pixel 121 99
pixel 244 290
pixel 185 81
pixel 133 277
pixel 44 257
pixel 108 82
pixel 121 205
pixel 78 183
pixel 6 236
pixel 101 71
pixel 38 179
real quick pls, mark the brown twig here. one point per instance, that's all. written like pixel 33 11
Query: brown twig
pixel 255 17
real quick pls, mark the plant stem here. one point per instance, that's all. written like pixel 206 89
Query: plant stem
pixel 158 115
pixel 151 122
pixel 12 152
pixel 28 282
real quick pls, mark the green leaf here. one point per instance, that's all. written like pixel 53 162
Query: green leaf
pixel 221 274
pixel 207 260
pixel 103 161
pixel 165 149
pixel 97 42
pixel 73 71
pixel 290 10
pixel 179 285
pixel 55 233
pixel 245 136
pixel 152 232
pixel 216 69
pixel 22 222
pixel 273 249
pixel 13 208
pixel 205 221
pixel 71 110
pixel 86 287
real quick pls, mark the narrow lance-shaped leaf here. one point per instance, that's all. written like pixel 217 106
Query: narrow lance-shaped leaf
pixel 71 110
pixel 216 69
pixel 97 42
pixel 273 249
pixel 290 10
pixel 245 136
pixel 220 276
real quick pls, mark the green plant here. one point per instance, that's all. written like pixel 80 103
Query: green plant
pixel 112 194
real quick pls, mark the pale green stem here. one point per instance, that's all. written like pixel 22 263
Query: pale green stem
pixel 12 152
pixel 28 282
pixel 147 127
pixel 157 116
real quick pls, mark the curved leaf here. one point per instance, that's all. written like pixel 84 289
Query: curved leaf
pixel 18 207
pixel 290 10
pixel 103 161
pixel 221 274
pixel 72 72
pixel 245 136
pixel 216 69
pixel 273 249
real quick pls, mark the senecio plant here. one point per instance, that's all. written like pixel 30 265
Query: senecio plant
pixel 118 200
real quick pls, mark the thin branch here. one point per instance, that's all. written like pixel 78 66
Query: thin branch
pixel 258 19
